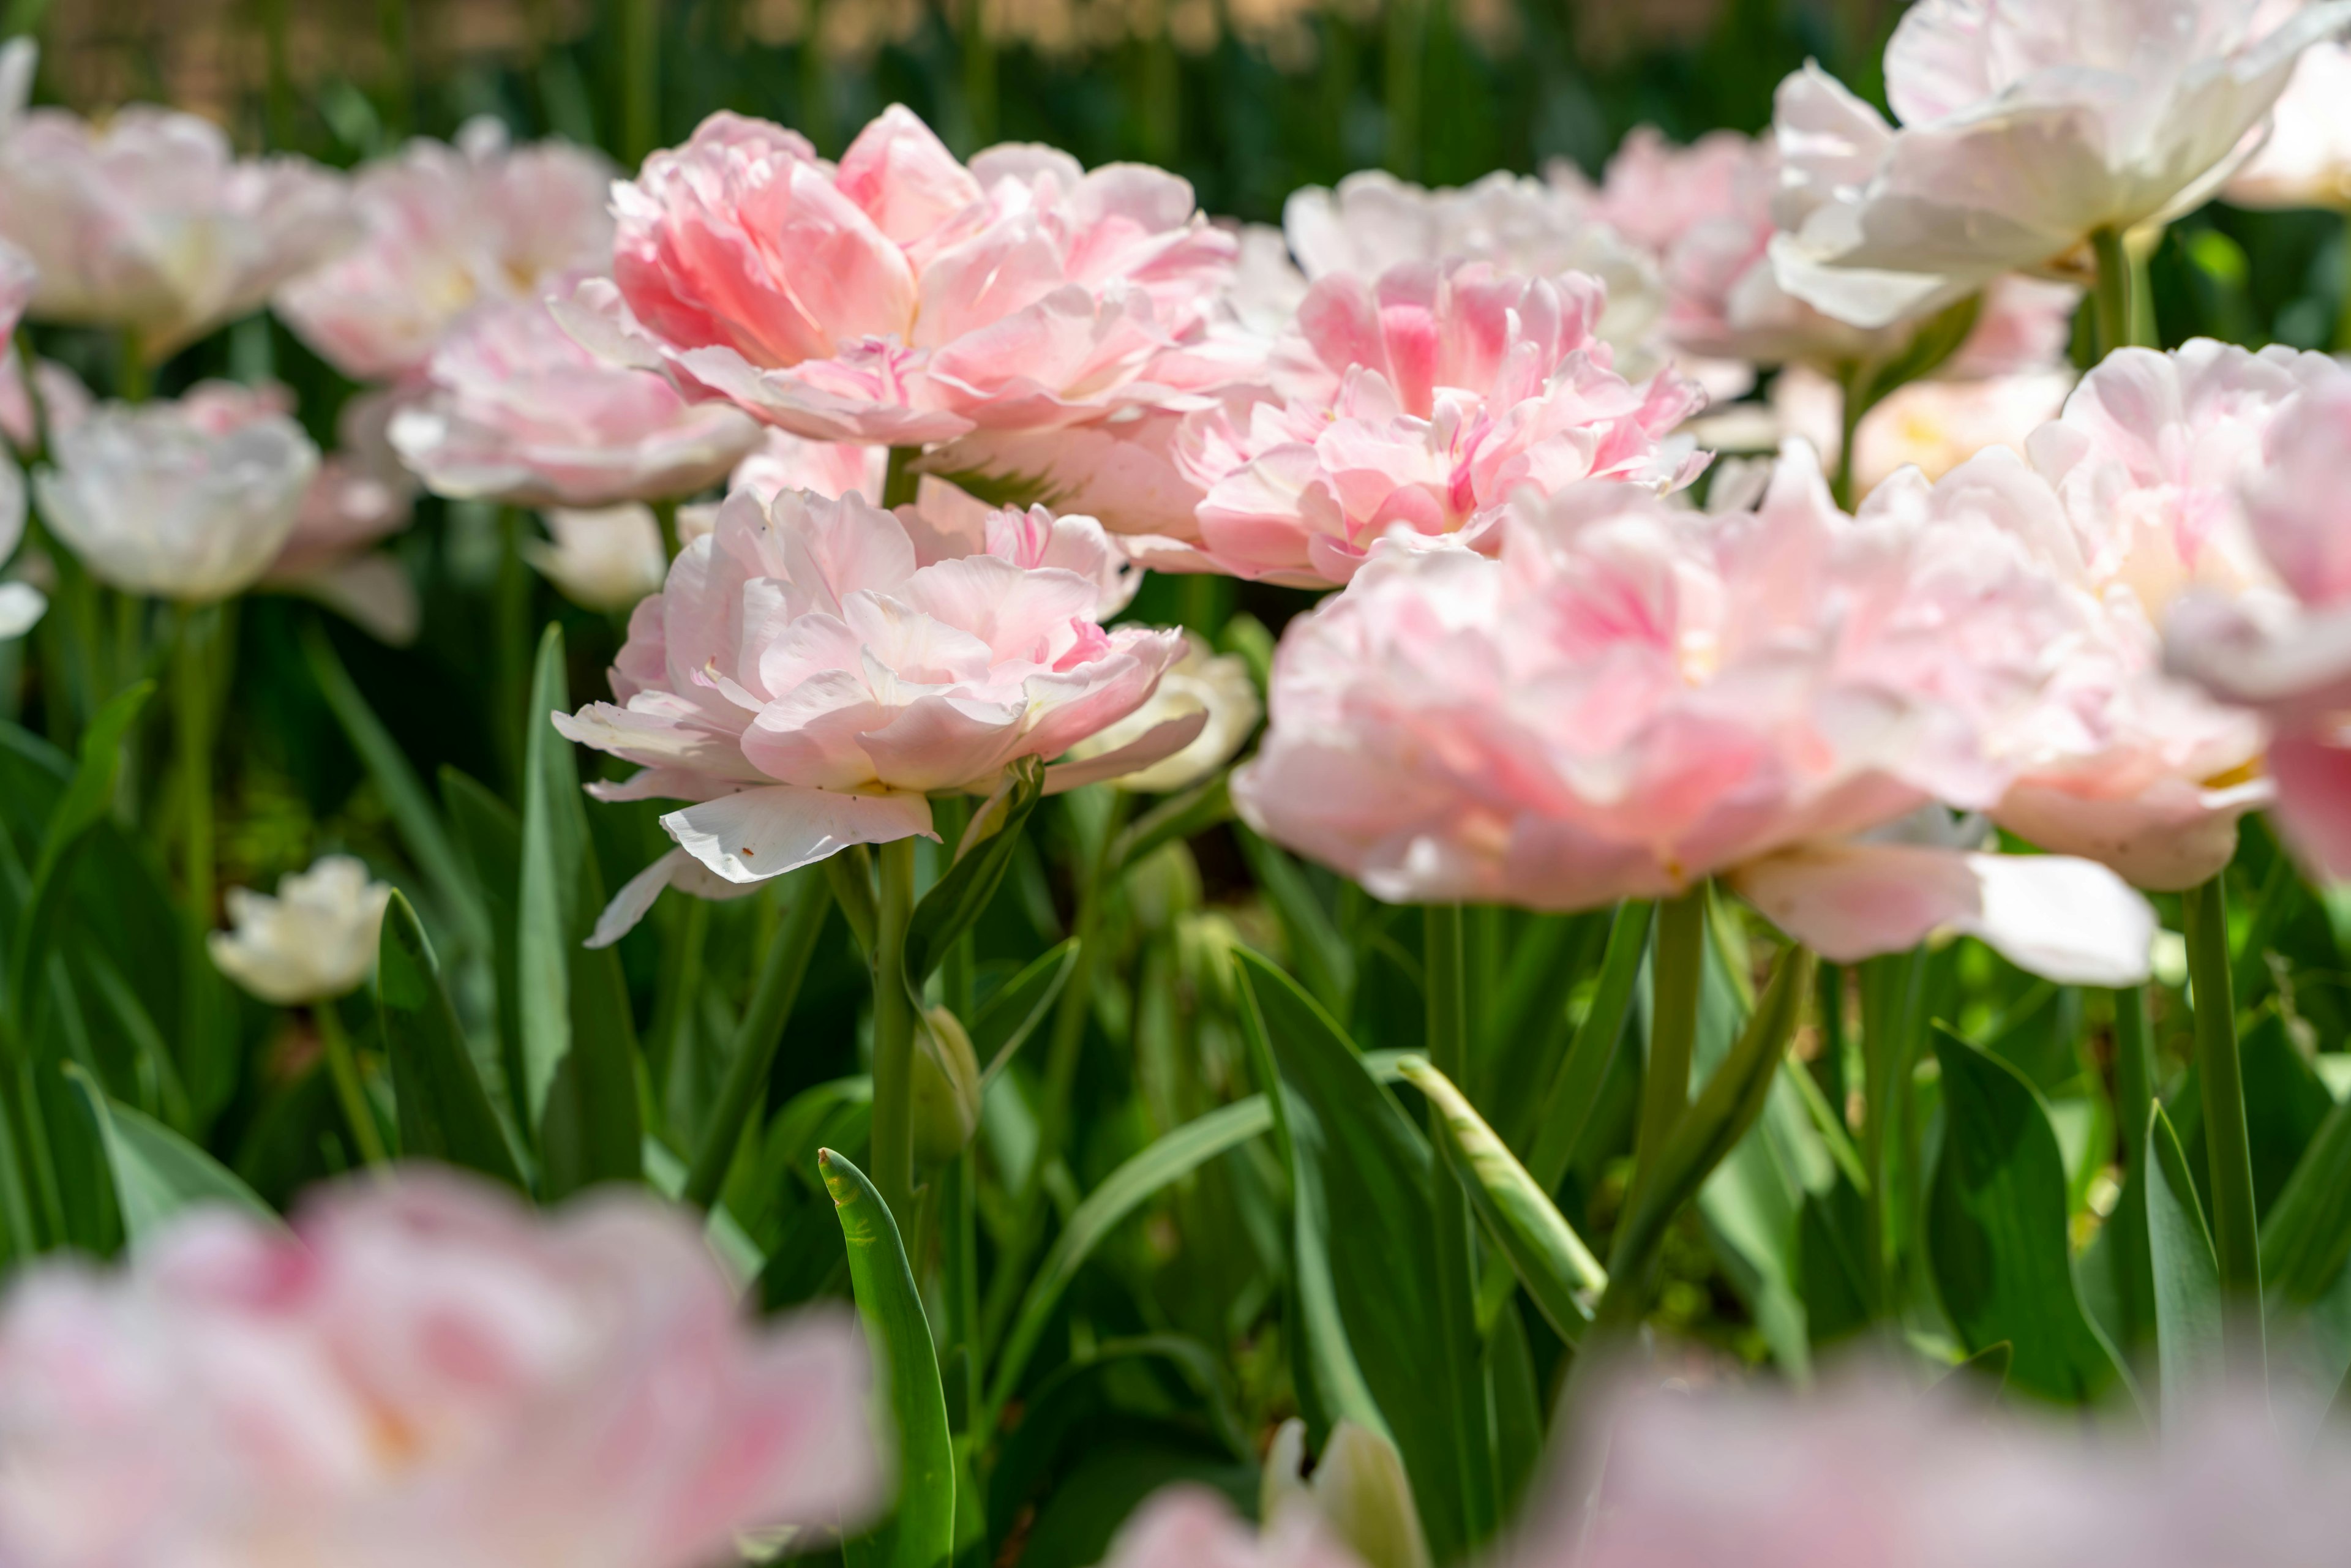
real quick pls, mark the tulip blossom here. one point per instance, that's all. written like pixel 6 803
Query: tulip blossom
pixel 783 461
pixel 423 1372
pixel 604 558
pixel 1632 697
pixel 2023 132
pixel 1421 401
pixel 814 670
pixel 2146 464
pixel 2306 161
pixel 447 227
pixel 2285 651
pixel 899 298
pixel 1216 684
pixel 515 408
pixel 316 940
pixel 151 223
pixel 189 500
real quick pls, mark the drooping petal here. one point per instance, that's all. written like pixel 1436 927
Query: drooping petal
pixel 755 834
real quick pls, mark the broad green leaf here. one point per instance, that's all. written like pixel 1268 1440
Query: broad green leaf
pixel 1551 1261
pixel 578 1036
pixel 920 1533
pixel 2187 1274
pixel 957 898
pixel 489 835
pixel 86 799
pixel 157 1173
pixel 2306 1235
pixel 1015 1009
pixel 1574 1089
pixel 1996 1230
pixel 444 1112
pixel 759 1033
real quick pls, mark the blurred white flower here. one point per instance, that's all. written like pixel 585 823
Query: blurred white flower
pixel 1217 684
pixel 600 557
pixel 2306 162
pixel 316 940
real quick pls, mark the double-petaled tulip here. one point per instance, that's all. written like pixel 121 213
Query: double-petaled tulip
pixel 1419 400
pixel 420 1373
pixel 445 228
pixel 191 499
pixel 150 222
pixel 901 297
pixel 2285 652
pixel 2025 132
pixel 314 941
pixel 514 407
pixel 814 670
pixel 1633 697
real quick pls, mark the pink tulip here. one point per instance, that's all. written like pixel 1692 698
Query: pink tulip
pixel 151 223
pixel 1422 400
pixel 1190 1526
pixel 515 408
pixel 2285 652
pixel 1653 193
pixel 1632 697
pixel 422 1375
pixel 447 228
pixel 815 669
pixel 783 461
pixel 901 297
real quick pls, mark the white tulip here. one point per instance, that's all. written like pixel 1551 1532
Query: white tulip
pixel 601 558
pixel 1217 685
pixel 316 940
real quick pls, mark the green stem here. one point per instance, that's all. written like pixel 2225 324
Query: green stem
pixel 640 79
pixel 893 1033
pixel 2343 310
pixel 133 381
pixel 2134 1072
pixel 665 516
pixel 979 75
pixel 343 1069
pixel 1567 1104
pixel 1406 39
pixel 1852 390
pixel 959 1285
pixel 192 693
pixel 1890 989
pixel 1448 1052
pixel 510 625
pixel 2235 1227
pixel 2111 298
pixel 899 481
pixel 1675 970
pixel 398 39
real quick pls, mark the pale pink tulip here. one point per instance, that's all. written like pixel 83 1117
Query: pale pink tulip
pixel 1932 425
pixel 814 670
pixel 2148 462
pixel 2023 129
pixel 447 227
pixel 783 461
pixel 2306 162
pixel 1420 399
pixel 151 223
pixel 1190 1526
pixel 515 408
pixel 1633 697
pixel 901 297
pixel 422 1375
pixel 2286 653
pixel 1653 193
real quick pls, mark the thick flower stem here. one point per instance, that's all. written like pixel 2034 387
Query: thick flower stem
pixel 893 1034
pixel 641 83
pixel 666 517
pixel 1675 970
pixel 2236 1227
pixel 343 1070
pixel 2343 310
pixel 2134 1072
pixel 2115 310
pixel 132 382
pixel 900 481
pixel 192 721
pixel 1449 1050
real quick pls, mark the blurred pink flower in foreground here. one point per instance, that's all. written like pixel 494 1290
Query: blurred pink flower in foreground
pixel 1191 1527
pixel 150 222
pixel 901 297
pixel 424 1376
pixel 2286 653
pixel 1634 698
pixel 447 227
pixel 814 669
pixel 1421 399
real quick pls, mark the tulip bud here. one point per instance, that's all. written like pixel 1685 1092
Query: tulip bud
pixel 946 1087
pixel 1358 1486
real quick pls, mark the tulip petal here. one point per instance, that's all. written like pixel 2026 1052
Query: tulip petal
pixel 759 834
pixel 674 869
pixel 1157 744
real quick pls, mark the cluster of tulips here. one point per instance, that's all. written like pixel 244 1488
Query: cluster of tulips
pixel 1930 637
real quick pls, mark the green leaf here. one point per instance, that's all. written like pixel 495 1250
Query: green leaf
pixel 444 1112
pixel 489 835
pixel 1316 947
pixel 921 1534
pixel 958 898
pixel 1550 1258
pixel 86 800
pixel 403 793
pixel 2306 1235
pixel 157 1173
pixel 578 1036
pixel 2188 1310
pixel 1575 1087
pixel 759 1033
pixel 1015 1009
pixel 1366 1245
pixel 1996 1229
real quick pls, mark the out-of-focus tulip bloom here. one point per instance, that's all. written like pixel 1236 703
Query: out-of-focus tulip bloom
pixel 2148 462
pixel 1932 425
pixel 1191 1527
pixel 1634 696
pixel 829 468
pixel 1201 682
pixel 2024 130
pixel 2286 653
pixel 422 1373
pixel 814 670
pixel 2306 162
pixel 189 500
pixel 150 222
pixel 1653 192
pixel 316 940
pixel 1419 400
pixel 516 409
pixel 445 228
pixel 901 297
pixel 601 558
